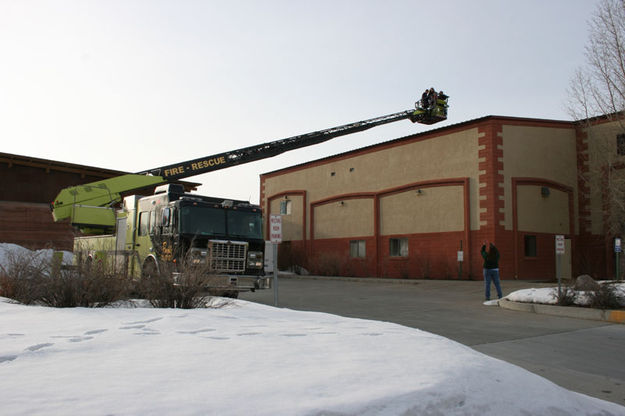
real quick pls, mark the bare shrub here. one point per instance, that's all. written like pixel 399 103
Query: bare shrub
pixel 23 263
pixel 606 297
pixel 185 289
pixel 31 278
pixel 21 274
pixel 79 287
pixel 566 296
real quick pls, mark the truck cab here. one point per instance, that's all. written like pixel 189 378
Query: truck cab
pixel 164 232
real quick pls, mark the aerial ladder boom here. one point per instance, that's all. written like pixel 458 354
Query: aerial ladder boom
pixel 90 206
pixel 262 151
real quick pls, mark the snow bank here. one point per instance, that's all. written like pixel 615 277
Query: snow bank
pixel 10 253
pixel 548 295
pixel 250 359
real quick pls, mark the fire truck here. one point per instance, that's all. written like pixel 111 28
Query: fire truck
pixel 142 235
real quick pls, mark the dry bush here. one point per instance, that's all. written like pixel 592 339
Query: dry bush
pixel 190 288
pixel 30 278
pixel 79 287
pixel 19 274
pixel 566 296
pixel 606 297
pixel 603 296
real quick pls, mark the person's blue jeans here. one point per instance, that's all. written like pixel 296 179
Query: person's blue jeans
pixel 492 275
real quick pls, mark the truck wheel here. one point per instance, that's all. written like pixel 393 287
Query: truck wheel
pixel 88 263
pixel 149 269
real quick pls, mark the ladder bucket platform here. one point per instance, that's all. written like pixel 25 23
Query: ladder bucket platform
pixel 430 115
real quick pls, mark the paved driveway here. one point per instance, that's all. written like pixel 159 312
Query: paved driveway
pixel 581 355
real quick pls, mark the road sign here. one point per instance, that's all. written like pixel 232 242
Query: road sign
pixel 617 245
pixel 559 244
pixel 275 229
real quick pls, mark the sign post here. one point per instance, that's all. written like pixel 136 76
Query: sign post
pixel 460 260
pixel 559 253
pixel 617 251
pixel 275 231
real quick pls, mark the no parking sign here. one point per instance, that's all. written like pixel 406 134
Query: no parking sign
pixel 275 229
pixel 559 244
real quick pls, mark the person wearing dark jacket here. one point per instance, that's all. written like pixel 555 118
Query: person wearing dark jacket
pixel 491 269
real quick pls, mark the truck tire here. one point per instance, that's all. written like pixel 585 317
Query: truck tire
pixel 149 269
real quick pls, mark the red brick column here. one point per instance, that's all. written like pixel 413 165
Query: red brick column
pixel 491 192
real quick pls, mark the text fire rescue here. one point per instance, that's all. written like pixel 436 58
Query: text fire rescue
pixel 195 166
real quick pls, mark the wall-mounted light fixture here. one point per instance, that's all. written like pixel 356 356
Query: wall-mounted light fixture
pixel 341 203
pixel 419 192
pixel 544 191
pixel 286 197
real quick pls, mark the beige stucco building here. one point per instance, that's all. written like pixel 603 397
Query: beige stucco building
pixel 421 206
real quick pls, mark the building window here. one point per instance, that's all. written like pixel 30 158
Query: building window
pixel 399 247
pixel 620 144
pixel 357 249
pixel 530 246
pixel 285 207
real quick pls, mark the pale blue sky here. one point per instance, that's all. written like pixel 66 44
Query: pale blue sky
pixel 133 85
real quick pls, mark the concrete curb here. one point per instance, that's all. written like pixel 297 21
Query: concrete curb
pixel 615 316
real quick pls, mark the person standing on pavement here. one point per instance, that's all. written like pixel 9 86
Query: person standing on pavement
pixel 491 269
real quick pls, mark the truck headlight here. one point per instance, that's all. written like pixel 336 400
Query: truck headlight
pixel 255 259
pixel 197 256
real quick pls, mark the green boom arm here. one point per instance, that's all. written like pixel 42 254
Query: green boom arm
pixel 90 205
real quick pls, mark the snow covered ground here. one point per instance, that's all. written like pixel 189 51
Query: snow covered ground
pixel 248 359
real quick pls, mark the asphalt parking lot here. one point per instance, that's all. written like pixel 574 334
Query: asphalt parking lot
pixel 581 355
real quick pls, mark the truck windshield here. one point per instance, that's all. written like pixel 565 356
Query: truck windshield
pixel 245 224
pixel 209 221
pixel 202 220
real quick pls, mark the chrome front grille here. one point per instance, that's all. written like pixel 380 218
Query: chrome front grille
pixel 227 256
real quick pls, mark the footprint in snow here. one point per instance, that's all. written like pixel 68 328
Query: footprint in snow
pixel 79 339
pixel 132 327
pixel 37 347
pixel 95 331
pixel 197 331
pixel 147 331
pixel 147 321
pixel 7 358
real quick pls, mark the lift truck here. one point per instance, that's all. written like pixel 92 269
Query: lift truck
pixel 138 235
